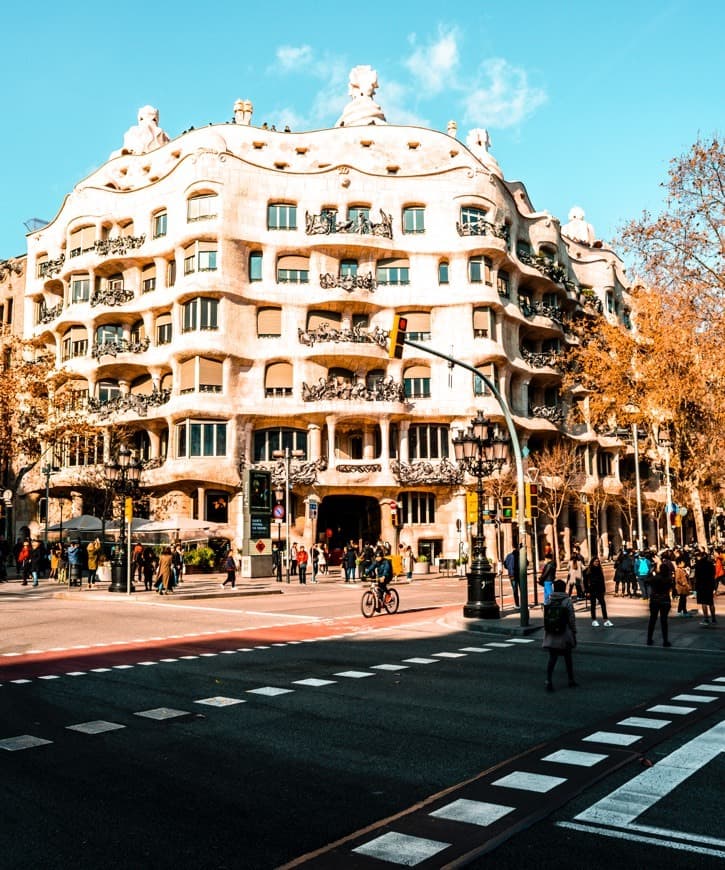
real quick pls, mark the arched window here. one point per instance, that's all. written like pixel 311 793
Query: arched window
pixel 75 342
pixel 278 380
pixel 163 328
pixel 443 272
pixel 416 382
pixel 269 322
pixel 202 206
pixel 479 270
pixel 293 269
pixel 479 385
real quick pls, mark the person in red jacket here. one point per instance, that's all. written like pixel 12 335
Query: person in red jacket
pixel 302 560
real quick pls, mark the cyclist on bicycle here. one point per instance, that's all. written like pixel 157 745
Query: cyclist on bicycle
pixel 382 571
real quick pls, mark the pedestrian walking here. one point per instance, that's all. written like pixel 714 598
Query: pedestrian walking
pixel 149 566
pixel 547 576
pixel 559 633
pixel 408 560
pixel 22 562
pixel 661 587
pixel 349 562
pixel 37 561
pixel 293 559
pixel 277 562
pixel 511 564
pixel 643 570
pixel 137 562
pixel 575 574
pixel 93 551
pixel 682 587
pixel 75 564
pixel 705 588
pixel 230 566
pixel 315 562
pixel 594 580
pixel 163 572
pixel 302 560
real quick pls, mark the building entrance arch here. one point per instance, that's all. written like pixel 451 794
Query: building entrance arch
pixel 345 518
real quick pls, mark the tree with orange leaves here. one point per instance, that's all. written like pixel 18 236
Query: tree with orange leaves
pixel 667 373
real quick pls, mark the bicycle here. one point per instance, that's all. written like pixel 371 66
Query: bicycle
pixel 373 602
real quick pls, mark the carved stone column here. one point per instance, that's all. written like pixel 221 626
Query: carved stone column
pixel 403 449
pixel 314 441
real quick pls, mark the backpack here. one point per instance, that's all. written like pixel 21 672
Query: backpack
pixel 556 617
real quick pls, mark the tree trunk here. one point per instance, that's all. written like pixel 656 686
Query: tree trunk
pixel 697 514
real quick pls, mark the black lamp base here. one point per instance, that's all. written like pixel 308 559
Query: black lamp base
pixel 118 578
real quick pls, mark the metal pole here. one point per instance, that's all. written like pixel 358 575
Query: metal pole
pixel 128 511
pixel 635 441
pixel 668 490
pixel 518 459
pixel 47 472
pixel 286 508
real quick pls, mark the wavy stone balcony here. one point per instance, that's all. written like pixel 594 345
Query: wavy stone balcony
pixel 541 359
pixel 111 296
pixel 328 281
pixel 545 265
pixel 139 404
pixel 482 227
pixel 119 345
pixel 327 224
pixel 426 473
pixel 531 308
pixel 384 390
pixel 46 315
pixel 353 335
pixel 552 413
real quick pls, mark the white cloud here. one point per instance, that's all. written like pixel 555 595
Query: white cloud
pixel 501 96
pixel 290 57
pixel 434 65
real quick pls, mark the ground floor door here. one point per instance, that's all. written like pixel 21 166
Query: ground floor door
pixel 345 518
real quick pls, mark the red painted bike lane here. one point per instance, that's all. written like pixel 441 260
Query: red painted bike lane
pixel 28 666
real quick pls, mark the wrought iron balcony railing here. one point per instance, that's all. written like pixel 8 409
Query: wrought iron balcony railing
pixel 328 281
pixel 355 335
pixel 119 345
pixel 327 223
pixel 384 390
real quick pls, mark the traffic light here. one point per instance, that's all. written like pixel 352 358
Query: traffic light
pixel 508 508
pixel 394 517
pixel 532 500
pixel 397 337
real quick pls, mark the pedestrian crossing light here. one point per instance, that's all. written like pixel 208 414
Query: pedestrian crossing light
pixel 532 500
pixel 397 337
pixel 508 508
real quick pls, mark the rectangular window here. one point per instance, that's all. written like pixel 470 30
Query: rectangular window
pixel 417 388
pixel 201 208
pixel 395 272
pixel 348 268
pixel 207 261
pixel 160 221
pixel 604 464
pixel 479 385
pixel 414 219
pixel 293 276
pixel 483 322
pixel 201 439
pixel 358 218
pixel 473 217
pixel 190 264
pixel 148 285
pixel 80 289
pixel 479 271
pixel 209 310
pixel 502 284
pixel 428 442
pixel 255 266
pixel 418 508
pixel 171 274
pixel 281 216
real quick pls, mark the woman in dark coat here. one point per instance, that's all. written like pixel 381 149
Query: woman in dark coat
pixel 660 601
pixel 595 577
pixel 562 643
pixel 163 572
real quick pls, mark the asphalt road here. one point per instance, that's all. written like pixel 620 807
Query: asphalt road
pixel 296 732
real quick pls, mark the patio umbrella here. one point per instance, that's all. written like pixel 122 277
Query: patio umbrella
pixel 83 523
pixel 181 528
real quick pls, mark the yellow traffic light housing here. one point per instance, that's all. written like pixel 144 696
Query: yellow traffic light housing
pixel 397 337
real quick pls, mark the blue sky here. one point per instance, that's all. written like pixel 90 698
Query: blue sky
pixel 586 103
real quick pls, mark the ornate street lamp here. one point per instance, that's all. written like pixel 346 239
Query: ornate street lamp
pixel 481 450
pixel 122 476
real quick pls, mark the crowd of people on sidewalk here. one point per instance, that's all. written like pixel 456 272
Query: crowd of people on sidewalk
pixel 657 578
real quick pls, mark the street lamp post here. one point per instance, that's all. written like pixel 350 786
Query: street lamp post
pixel 664 442
pixel 481 450
pixel 122 476
pixel 287 456
pixel 47 470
